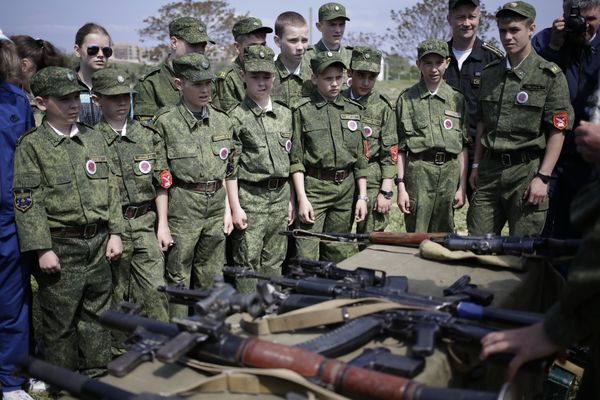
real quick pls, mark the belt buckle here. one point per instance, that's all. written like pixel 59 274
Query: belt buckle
pixel 90 230
pixel 439 158
pixel 210 187
pixel 339 176
pixel 505 159
pixel 273 184
pixel 131 212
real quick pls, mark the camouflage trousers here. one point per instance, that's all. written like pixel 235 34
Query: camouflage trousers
pixel 260 246
pixel 498 198
pixel 71 301
pixel 431 189
pixel 375 221
pixel 141 269
pixel 196 224
pixel 332 205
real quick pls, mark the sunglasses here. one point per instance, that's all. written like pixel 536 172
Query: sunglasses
pixel 93 50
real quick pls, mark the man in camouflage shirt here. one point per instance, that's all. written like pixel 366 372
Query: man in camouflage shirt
pixel 380 136
pixel 137 157
pixel 230 88
pixel 67 209
pixel 197 138
pixel 157 89
pixel 258 188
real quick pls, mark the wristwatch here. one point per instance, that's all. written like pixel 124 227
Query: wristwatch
pixel 386 194
pixel 544 178
pixel 398 181
pixel 363 197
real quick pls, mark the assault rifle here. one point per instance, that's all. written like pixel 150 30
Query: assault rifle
pixel 487 244
pixel 78 385
pixel 188 336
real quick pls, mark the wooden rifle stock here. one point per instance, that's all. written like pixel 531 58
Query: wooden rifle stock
pixel 403 239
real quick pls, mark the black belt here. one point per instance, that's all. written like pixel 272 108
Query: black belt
pixel 508 158
pixel 269 184
pixel 80 232
pixel 208 188
pixel 438 157
pixel 133 211
pixel 333 175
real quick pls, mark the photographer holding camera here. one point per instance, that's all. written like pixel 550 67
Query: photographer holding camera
pixel 573 43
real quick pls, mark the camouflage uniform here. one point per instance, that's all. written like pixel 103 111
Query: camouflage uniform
pixel 381 138
pixel 288 86
pixel 230 89
pixel 66 200
pixel 432 131
pixel 518 107
pixel 328 150
pixel 157 88
pixel 197 150
pixel 136 160
pixel 328 12
pixel 261 164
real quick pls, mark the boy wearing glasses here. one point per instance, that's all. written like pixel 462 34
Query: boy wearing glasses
pixel 157 89
pixel 67 211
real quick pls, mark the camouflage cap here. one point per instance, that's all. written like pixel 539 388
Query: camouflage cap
pixel 453 3
pixel 435 46
pixel 190 29
pixel 324 59
pixel 518 7
pixel 258 58
pixel 366 59
pixel 111 82
pixel 248 25
pixel 54 81
pixel 193 67
pixel 329 11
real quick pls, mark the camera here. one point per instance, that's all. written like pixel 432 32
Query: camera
pixel 574 22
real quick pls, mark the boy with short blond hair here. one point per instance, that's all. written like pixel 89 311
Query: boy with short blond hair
pixel 229 87
pixel 432 120
pixel 379 136
pixel 291 36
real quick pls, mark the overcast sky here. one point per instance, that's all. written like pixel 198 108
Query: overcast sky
pixel 58 20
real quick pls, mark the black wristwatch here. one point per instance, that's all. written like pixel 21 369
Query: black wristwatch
pixel 398 181
pixel 544 178
pixel 386 194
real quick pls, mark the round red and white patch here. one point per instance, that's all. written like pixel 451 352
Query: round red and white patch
pixel 145 166
pixel 90 167
pixel 352 125
pixel 288 145
pixel 448 123
pixel 367 131
pixel 349 82
pixel 522 97
pixel 224 153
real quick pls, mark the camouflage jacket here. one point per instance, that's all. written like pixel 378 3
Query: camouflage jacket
pixel 327 135
pixel 345 51
pixel 155 91
pixel 379 131
pixel 61 181
pixel 229 87
pixel 137 159
pixel 196 150
pixel 287 86
pixel 432 121
pixel 262 141
pixel 519 107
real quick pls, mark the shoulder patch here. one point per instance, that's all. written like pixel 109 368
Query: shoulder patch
pixel 29 132
pixel 153 72
pixel 349 47
pixel 301 102
pixel 85 125
pixel 219 109
pixel 492 63
pixel 281 103
pixel 387 100
pixel 356 103
pixel 493 49
pixel 550 66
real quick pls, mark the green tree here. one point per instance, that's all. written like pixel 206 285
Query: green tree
pixel 427 20
pixel 218 16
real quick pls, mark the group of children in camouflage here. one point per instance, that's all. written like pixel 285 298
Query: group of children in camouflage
pixel 303 139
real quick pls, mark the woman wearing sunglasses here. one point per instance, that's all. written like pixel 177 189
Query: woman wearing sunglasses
pixel 92 47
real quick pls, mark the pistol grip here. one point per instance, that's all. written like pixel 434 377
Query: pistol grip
pixel 171 351
pixel 425 334
pixel 127 362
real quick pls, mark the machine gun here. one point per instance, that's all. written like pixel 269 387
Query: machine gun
pixel 188 336
pixel 483 245
pixel 80 386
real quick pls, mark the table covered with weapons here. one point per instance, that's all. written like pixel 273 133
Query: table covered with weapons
pixel 383 324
